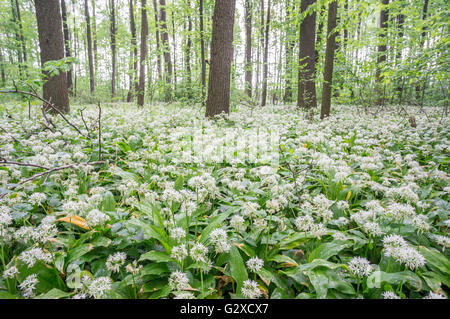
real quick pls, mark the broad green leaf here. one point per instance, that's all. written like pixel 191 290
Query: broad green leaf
pixel 157 256
pixel 237 268
pixel 436 259
pixel 54 294
pixel 328 250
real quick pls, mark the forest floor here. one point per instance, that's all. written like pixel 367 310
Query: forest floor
pixel 262 204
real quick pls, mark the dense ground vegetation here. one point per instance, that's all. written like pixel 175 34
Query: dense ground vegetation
pixel 354 206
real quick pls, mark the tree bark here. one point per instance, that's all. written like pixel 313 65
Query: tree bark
pixel 113 46
pixel 202 52
pixel 266 58
pixel 381 58
pixel 51 43
pixel 89 41
pixel 306 74
pixel 289 49
pixel 329 60
pixel 66 43
pixel 133 71
pixel 400 22
pixel 144 34
pixel 158 47
pixel 248 48
pixel 420 86
pixel 189 49
pixel 17 36
pixel 94 35
pixel 221 57
pixel 166 50
pixel 22 39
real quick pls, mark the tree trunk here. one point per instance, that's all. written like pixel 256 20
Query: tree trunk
pixel 420 86
pixel 248 48
pixel 189 49
pixel 384 16
pixel 2 68
pixel 306 74
pixel 400 22
pixel 22 39
pixel 89 41
pixel 94 35
pixel 289 49
pixel 134 55
pixel 66 42
pixel 75 48
pixel 51 43
pixel 166 50
pixel 266 58
pixel 113 46
pixel 329 60
pixel 17 37
pixel 221 57
pixel 202 53
pixel 158 47
pixel 144 34
pixel 174 53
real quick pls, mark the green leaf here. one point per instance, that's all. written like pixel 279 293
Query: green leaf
pixel 155 269
pixel 284 259
pixel 436 259
pixel 396 278
pixel 319 280
pixel 237 268
pixel 157 256
pixel 179 183
pixel 328 250
pixel 109 203
pixel 213 224
pixel 54 294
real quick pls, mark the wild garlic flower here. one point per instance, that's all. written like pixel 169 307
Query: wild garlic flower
pixel 100 287
pixel 238 223
pixel 251 290
pixel 37 198
pixel 255 264
pixel 179 252
pixel 133 268
pixel 396 247
pixel 198 253
pixel 389 295
pixel 115 261
pixel 177 233
pixel 178 281
pixel 304 223
pixel 10 272
pixel 32 255
pixel 360 267
pixel 5 217
pixel 28 286
pixel 433 295
pixel 96 218
pixel 373 229
pixel 260 224
pixel 184 295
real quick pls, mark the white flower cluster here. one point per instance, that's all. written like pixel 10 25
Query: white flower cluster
pixel 396 247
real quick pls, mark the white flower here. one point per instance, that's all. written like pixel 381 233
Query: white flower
pixel 198 252
pixel 433 295
pixel 251 290
pixel 133 268
pixel 360 267
pixel 238 223
pixel 11 272
pixel 178 281
pixel 184 295
pixel 96 218
pixel 28 286
pixel 99 287
pixel 372 228
pixel 218 235
pixel 390 295
pixel 37 198
pixel 32 255
pixel 396 247
pixel 255 264
pixel 177 233
pixel 115 261
pixel 179 252
pixel 304 223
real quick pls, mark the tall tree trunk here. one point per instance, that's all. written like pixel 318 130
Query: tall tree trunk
pixel 261 48
pixel 329 60
pixel 420 86
pixel 266 58
pixel 400 22
pixel 306 74
pixel 17 38
pixel 75 48
pixel 158 47
pixel 89 41
pixel 2 68
pixel 113 46
pixel 202 53
pixel 95 37
pixel 248 48
pixel 144 34
pixel 384 17
pixel 166 50
pixel 51 42
pixel 133 82
pixel 174 52
pixel 22 39
pixel 289 50
pixel 221 57
pixel 189 49
pixel 67 43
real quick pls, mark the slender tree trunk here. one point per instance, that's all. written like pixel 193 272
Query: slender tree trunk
pixel 174 53
pixel 51 42
pixel 329 60
pixel 306 74
pixel 17 36
pixel 261 46
pixel 289 49
pixel 400 22
pixel 75 48
pixel 158 47
pixel 420 86
pixel 2 68
pixel 89 41
pixel 144 34
pixel 22 39
pixel 67 43
pixel 384 17
pixel 221 57
pixel 248 48
pixel 189 49
pixel 266 58
pixel 95 37
pixel 166 49
pixel 113 46
pixel 202 53
pixel 133 71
